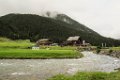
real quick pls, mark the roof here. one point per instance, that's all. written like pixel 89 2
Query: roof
pixel 44 40
pixel 74 38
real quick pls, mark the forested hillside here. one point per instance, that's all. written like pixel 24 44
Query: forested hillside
pixel 34 27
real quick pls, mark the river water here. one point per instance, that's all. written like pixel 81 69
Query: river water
pixel 41 69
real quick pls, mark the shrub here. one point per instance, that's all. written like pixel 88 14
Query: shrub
pixel 98 47
pixel 98 50
pixel 110 51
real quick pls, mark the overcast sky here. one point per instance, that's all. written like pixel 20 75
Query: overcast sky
pixel 103 16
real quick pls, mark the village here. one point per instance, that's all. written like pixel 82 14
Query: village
pixel 71 41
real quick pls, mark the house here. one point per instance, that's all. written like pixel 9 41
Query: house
pixel 75 40
pixel 43 42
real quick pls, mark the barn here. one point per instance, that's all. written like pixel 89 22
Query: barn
pixel 74 40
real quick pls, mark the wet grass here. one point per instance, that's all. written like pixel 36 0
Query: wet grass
pixel 18 49
pixel 37 54
pixel 16 44
pixel 89 76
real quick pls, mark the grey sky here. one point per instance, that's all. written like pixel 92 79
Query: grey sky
pixel 102 16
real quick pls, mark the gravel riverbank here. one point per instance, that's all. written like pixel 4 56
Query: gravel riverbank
pixel 112 54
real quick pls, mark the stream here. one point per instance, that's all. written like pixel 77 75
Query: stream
pixel 41 69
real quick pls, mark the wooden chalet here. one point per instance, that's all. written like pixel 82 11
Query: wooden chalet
pixel 75 40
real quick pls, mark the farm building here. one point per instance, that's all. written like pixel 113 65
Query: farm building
pixel 75 40
pixel 43 42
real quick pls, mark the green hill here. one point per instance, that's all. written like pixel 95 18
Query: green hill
pixel 34 27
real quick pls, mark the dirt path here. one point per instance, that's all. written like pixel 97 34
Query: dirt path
pixel 37 69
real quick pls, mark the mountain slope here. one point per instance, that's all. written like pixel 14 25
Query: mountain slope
pixel 64 18
pixel 34 27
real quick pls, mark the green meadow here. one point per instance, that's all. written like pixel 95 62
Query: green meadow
pixel 18 49
pixel 89 76
pixel 7 43
pixel 37 54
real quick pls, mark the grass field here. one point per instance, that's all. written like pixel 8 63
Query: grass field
pixel 37 54
pixel 18 49
pixel 16 44
pixel 115 48
pixel 89 76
